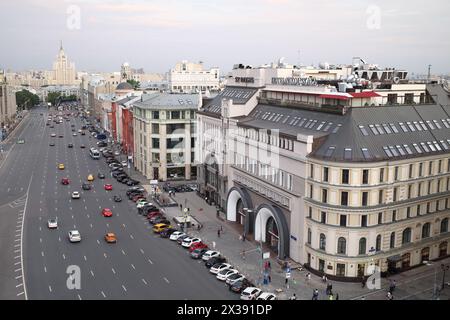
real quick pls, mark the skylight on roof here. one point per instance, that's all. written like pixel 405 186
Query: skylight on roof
pixel 386 128
pixel 411 127
pixel 424 127
pixel 302 122
pixel 366 153
pixel 436 123
pixel 446 123
pixel 408 149
pixel 438 147
pixel 320 125
pixel 430 125
pixel 374 131
pixel 363 130
pixel 379 128
pixel 424 146
pixel 404 128
pixel 400 150
pixel 444 144
pixel 388 152
pixel 312 124
pixel 394 128
pixel 330 151
pixel 416 146
pixel 308 123
pixel 418 127
pixel 431 146
pixel 394 152
pixel 347 153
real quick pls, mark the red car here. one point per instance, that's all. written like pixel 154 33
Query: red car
pixel 107 212
pixel 65 181
pixel 153 214
pixel 198 245
pixel 108 187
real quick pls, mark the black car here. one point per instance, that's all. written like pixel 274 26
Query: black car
pixel 240 285
pixel 102 144
pixel 132 182
pixel 158 220
pixel 86 186
pixel 70 145
pixel 101 175
pixel 82 146
pixel 117 198
pixel 135 189
pixel 181 238
pixel 52 144
pixel 124 180
pixel 132 195
pixel 210 262
pixel 119 174
pixel 167 232
pixel 198 253
pixel 146 209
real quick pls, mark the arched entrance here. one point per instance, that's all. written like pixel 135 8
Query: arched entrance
pixel 272 237
pixel 272 229
pixel 443 249
pixel 238 200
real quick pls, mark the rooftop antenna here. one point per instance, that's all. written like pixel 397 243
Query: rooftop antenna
pixel 298 57
pixel 429 73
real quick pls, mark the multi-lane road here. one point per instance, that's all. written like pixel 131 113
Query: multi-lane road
pixel 34 259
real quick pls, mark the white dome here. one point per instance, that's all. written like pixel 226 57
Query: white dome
pixel 126 64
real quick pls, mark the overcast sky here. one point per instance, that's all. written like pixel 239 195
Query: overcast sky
pixel 155 34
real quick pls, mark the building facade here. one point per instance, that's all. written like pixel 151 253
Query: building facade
pixel 164 134
pixel 64 70
pixel 8 106
pixel 191 77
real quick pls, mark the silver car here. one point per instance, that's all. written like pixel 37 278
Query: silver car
pixel 74 236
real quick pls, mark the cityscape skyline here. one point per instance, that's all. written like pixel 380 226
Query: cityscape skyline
pixel 152 33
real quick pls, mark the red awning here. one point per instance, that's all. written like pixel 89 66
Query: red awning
pixel 364 94
pixel 333 96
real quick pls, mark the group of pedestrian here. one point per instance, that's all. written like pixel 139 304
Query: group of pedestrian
pixel 390 293
pixel 315 294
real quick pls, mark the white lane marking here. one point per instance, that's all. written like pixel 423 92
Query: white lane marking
pixel 123 252
pixel 85 259
pixel 19 285
pixel 131 236
pixel 143 280
pixel 103 294
pixel 17 240
pixel 104 254
pixel 40 240
pixel 16 257
pixel 42 253
pixel 92 227
pixel 17 270
pixel 92 273
pixel 142 251
pixel 133 266
pixel 40 228
pixel 45 269
pixel 79 297
pixel 166 280
pixel 114 271
pixel 16 263
pixel 17 251
pixel 125 289
pixel 20 293
pixel 50 288
pixel 59 238
pixel 151 262
pixel 64 257
pixel 18 277
pixel 88 216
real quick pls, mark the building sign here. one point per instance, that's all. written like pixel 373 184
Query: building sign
pixel 244 80
pixel 294 81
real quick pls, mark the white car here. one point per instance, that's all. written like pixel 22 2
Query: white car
pixel 74 236
pixel 116 153
pixel 142 204
pixel 174 236
pixel 52 223
pixel 75 195
pixel 124 163
pixel 224 274
pixel 216 269
pixel 53 135
pixel 190 241
pixel 232 279
pixel 250 293
pixel 210 254
pixel 74 134
pixel 80 131
pixel 267 296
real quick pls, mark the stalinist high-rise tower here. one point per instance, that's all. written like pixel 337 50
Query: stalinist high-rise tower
pixel 63 69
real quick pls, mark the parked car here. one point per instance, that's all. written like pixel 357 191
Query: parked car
pixel 181 238
pixel 224 274
pixel 153 214
pixel 132 182
pixel 234 278
pixel 160 227
pixel 198 253
pixel 240 285
pixel 190 241
pixel 198 245
pixel 250 293
pixel 215 269
pixel 166 233
pixel 214 261
pixel 138 197
pixel 266 296
pixel 174 236
pixel 159 220
pixel 210 254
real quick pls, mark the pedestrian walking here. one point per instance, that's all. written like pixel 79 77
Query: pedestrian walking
pixel 268 265
pixel 308 277
pixel 390 296
pixel 315 294
pixel 392 286
pixel 363 282
pixel 293 297
pixel 243 254
pixel 218 233
pixel 243 237
pixel 337 296
pixel 214 244
pixel 270 278
pixel 221 228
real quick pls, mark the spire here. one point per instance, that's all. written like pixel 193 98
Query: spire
pixel 61 46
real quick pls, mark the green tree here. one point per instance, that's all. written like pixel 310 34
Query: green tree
pixel 134 83
pixel 26 100
pixel 53 97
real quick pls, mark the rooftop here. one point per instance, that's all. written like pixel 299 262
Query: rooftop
pixel 168 101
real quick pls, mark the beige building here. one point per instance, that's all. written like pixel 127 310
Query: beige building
pixel 193 77
pixel 8 106
pixel 64 70
pixel 164 135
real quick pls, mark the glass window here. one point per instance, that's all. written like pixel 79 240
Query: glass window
pixel 309 236
pixel 365 176
pixel 344 198
pixel 322 242
pixel 362 246
pixel 378 243
pixel 444 225
pixel 343 220
pixel 426 230
pixel 342 246
pixel 345 176
pixel 392 241
pixel 406 236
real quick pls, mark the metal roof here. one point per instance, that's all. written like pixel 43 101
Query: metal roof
pixel 239 95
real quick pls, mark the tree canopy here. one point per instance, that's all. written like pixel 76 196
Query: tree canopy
pixel 26 100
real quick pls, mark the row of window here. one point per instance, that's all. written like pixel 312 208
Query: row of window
pixel 362 249
pixel 382 217
pixel 267 172
pixel 414 171
pixel 413 190
pixel 265 136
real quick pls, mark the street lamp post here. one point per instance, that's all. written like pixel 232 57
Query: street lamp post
pixel 444 269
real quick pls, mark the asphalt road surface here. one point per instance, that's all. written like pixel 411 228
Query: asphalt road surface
pixel 34 259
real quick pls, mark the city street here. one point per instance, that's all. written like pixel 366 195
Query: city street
pixel 35 259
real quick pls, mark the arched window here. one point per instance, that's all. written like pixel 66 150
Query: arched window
pixel 406 236
pixel 392 241
pixel 426 230
pixel 444 225
pixel 309 236
pixel 362 245
pixel 342 246
pixel 322 242
pixel 378 243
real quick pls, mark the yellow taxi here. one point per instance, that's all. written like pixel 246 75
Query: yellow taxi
pixel 90 177
pixel 158 228
pixel 110 237
pixel 61 166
